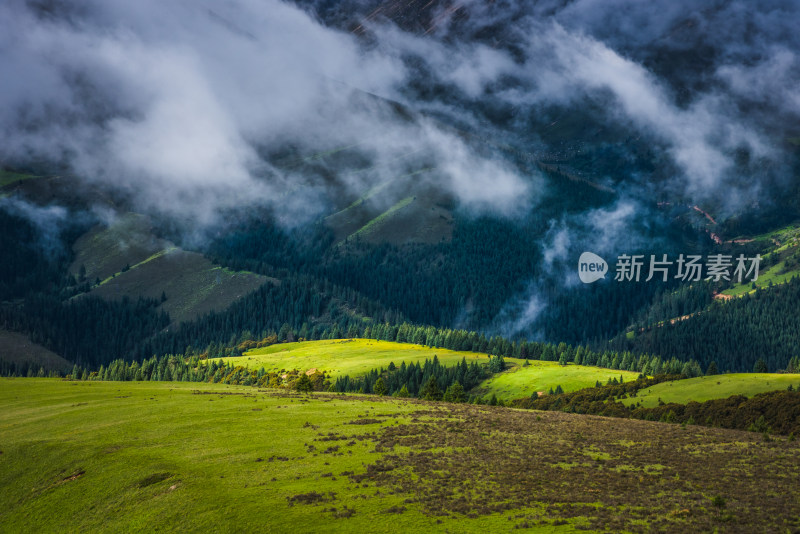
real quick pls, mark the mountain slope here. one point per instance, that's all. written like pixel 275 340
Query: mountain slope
pixel 129 261
pixel 18 350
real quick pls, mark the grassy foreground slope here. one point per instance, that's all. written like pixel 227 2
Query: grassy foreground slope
pixel 123 457
pixel 705 388
pixel 145 457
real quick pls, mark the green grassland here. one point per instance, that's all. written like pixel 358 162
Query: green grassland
pixel 193 285
pixel 414 219
pixel 106 251
pixel 346 356
pixel 417 219
pixel 784 242
pixel 522 381
pixel 122 457
pixel 375 223
pixel 358 356
pixel 783 235
pixel 777 274
pixel 421 216
pixel 705 388
pixel 148 457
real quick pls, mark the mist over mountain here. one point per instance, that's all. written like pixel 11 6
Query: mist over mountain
pixel 196 100
pixel 449 160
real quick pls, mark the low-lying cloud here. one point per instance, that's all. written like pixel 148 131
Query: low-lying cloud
pixel 181 107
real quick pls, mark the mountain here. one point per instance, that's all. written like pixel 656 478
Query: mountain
pixel 328 165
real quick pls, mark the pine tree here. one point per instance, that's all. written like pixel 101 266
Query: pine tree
pixel 380 387
pixel 454 393
pixel 431 391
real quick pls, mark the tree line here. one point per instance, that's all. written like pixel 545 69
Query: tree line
pixel 431 380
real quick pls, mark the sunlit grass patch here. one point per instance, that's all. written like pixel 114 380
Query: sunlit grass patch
pixel 705 388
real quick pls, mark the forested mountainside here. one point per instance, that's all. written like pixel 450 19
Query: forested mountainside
pixel 446 170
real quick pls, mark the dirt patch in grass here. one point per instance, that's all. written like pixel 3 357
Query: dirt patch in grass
pixel 312 497
pixel 395 510
pixel 74 476
pixel 470 461
pixel 219 393
pixel 367 421
pixel 155 478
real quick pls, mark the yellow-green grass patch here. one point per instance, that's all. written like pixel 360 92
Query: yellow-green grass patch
pixel 347 356
pixel 150 456
pixel 538 376
pixel 774 275
pixel 706 388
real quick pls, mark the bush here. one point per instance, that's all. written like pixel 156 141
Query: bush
pixel 760 425
pixel 304 384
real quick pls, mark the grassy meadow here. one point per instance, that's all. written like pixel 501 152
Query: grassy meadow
pixel 148 457
pixel 141 457
pixel 785 241
pixel 358 356
pixel 520 381
pixel 705 388
pixel 777 274
pixel 346 356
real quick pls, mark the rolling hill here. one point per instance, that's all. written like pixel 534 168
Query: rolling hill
pixel 186 192
pixel 144 457
pixel 538 376
pixel 346 356
pixel 705 388
pixel 356 357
